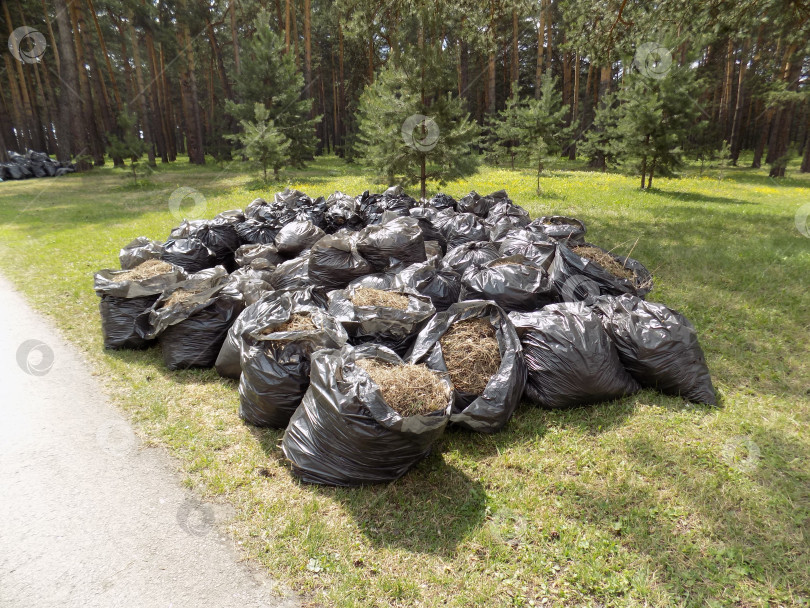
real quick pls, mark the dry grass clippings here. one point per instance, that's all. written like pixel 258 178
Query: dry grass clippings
pixel 298 321
pixel 408 389
pixel 605 260
pixel 368 296
pixel 183 294
pixel 145 270
pixel 471 354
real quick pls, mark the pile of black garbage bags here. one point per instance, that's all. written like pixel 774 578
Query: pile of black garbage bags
pixel 33 164
pixel 570 332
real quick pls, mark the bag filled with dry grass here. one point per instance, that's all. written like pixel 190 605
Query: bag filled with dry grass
pixel 391 317
pixel 138 251
pixel 582 270
pixel 334 262
pixel 367 417
pixel 477 345
pixel 228 364
pixel 513 283
pixel 275 353
pixel 191 319
pixel 126 294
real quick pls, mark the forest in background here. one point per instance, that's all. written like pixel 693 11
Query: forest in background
pixel 181 76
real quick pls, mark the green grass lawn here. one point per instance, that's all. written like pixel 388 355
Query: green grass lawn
pixel 638 502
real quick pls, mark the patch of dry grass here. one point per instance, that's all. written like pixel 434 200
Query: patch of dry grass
pixel 471 354
pixel 368 296
pixel 145 270
pixel 408 389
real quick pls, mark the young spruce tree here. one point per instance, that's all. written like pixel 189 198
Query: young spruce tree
pixel 261 142
pixel 269 76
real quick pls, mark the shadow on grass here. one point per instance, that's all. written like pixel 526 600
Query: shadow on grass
pixel 429 510
pixel 722 528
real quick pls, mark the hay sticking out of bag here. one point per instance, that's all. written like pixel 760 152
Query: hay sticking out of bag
pixel 505 262
pixel 145 270
pixel 298 321
pixel 408 389
pixel 181 295
pixel 368 296
pixel 471 354
pixel 605 260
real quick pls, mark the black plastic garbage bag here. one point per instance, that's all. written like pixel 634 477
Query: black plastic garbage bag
pixel 658 346
pixel 474 203
pixel 258 256
pixel 378 280
pixel 253 231
pixel 476 253
pixel 295 237
pixel 250 282
pixel 386 245
pixel 138 251
pixel 491 410
pixel 218 235
pixel 373 206
pixel 426 217
pixel 257 209
pixel 228 364
pixel 122 301
pixel 342 211
pixel 578 278
pixel 443 201
pixel 441 285
pixel 390 327
pixel 191 333
pixel 334 262
pixel 433 252
pixel 344 434
pixel 531 245
pixel 190 254
pixel 559 228
pixel 293 274
pixel 275 364
pixel 571 360
pixel 513 283
pixel 231 216
pixel 465 228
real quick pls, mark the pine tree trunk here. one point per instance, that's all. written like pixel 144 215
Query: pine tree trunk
pixel 51 37
pixel 169 112
pixel 538 74
pixel 217 55
pixel 287 25
pixel 234 36
pixel 140 95
pixel 736 124
pixel 341 86
pixel 106 55
pixel 29 124
pixel 308 49
pixel 726 96
pixel 572 149
pixel 194 127
pixel 422 176
pixel 294 17
pixel 652 170
pixel 17 113
pixel 90 113
pixel 515 58
pixel 490 91
pixel 763 138
pixel 74 135
pixel 805 168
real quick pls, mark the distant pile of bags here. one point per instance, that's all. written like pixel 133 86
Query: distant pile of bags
pixel 33 164
pixel 570 332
